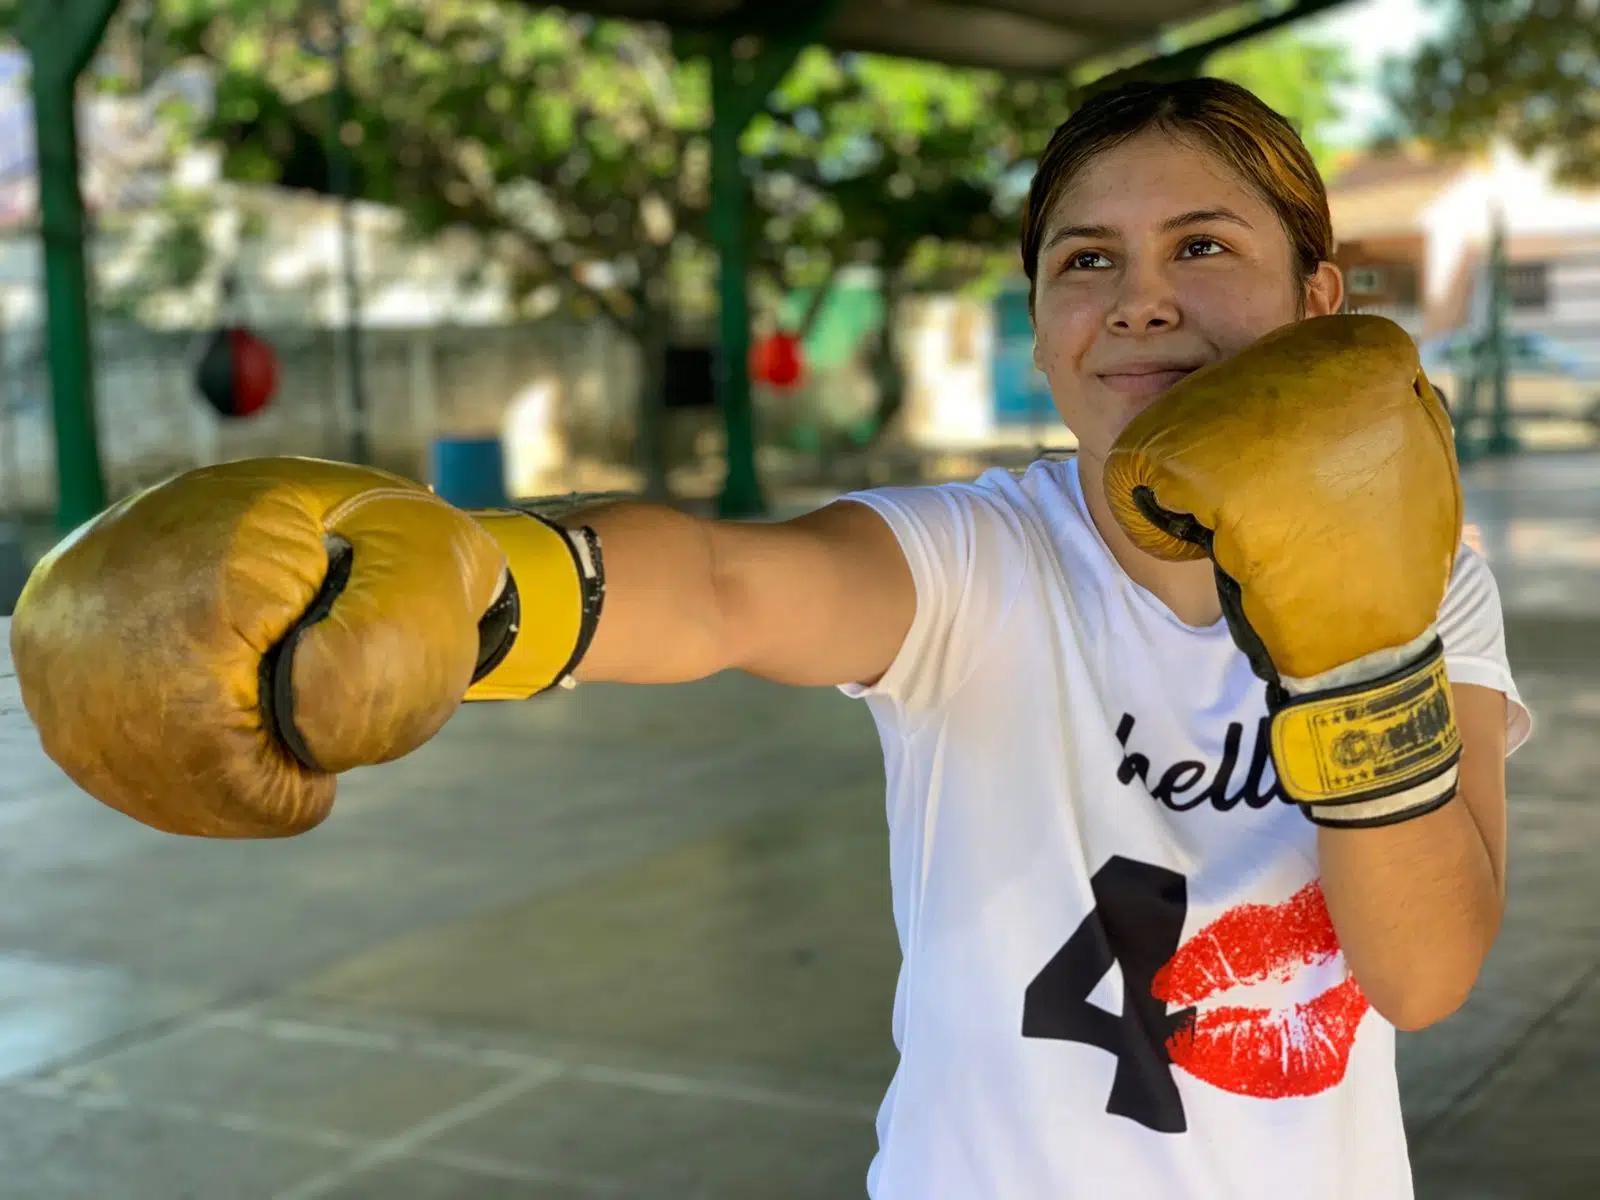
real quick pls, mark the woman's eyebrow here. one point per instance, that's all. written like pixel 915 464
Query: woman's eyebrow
pixel 1199 215
pixel 1108 232
pixel 1068 232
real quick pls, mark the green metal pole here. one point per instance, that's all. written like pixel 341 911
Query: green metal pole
pixel 739 87
pixel 741 489
pixel 1466 415
pixel 341 172
pixel 1502 438
pixel 60 37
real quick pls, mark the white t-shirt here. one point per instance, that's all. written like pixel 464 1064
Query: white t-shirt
pixel 1119 977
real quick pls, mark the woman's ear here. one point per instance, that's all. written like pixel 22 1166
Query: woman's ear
pixel 1324 291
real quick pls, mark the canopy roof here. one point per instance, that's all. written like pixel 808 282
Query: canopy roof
pixel 1023 36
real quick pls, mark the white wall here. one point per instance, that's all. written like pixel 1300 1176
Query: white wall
pixel 1458 224
pixel 554 390
pixel 948 346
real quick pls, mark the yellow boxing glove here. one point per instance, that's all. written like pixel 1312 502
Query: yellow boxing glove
pixel 209 654
pixel 1317 470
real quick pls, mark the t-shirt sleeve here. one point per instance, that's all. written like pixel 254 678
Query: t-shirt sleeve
pixel 968 554
pixel 1472 627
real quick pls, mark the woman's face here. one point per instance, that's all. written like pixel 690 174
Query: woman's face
pixel 1156 261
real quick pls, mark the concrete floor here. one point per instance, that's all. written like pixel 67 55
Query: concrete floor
pixel 636 943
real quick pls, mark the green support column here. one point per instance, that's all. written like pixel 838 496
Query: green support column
pixel 60 37
pixel 1502 439
pixel 1464 415
pixel 741 489
pixel 739 87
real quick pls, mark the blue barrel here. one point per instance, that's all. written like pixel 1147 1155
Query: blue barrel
pixel 470 472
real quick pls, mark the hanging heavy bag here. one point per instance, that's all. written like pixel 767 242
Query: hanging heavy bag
pixel 238 372
pixel 775 361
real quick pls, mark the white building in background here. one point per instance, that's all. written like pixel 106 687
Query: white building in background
pixel 1414 233
pixel 1552 245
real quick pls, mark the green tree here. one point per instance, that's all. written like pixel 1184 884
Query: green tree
pixel 1525 71
pixel 917 165
pixel 1296 75
pixel 575 149
pixel 571 148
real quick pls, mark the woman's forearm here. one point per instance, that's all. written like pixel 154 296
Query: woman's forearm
pixel 1416 906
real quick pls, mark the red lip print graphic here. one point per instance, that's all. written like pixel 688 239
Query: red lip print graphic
pixel 1263 1052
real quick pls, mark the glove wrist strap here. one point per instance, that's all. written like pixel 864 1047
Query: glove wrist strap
pixel 540 626
pixel 1414 802
pixel 1371 752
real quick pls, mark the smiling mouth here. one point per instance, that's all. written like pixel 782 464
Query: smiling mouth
pixel 1145 383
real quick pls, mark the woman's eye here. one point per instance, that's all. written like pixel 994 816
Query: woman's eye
pixel 1084 260
pixel 1202 247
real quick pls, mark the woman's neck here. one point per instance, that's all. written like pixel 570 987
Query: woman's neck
pixel 1189 589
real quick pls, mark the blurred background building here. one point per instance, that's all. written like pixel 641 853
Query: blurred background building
pixel 916 351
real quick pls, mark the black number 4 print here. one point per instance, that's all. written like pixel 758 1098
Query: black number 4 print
pixel 1136 923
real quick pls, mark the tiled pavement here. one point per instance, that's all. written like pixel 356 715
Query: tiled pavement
pixel 636 942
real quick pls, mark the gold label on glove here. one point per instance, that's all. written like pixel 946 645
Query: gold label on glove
pixel 1348 746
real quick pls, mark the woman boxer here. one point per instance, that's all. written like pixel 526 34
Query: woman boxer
pixel 1138 959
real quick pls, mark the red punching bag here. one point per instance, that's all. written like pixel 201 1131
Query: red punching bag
pixel 775 361
pixel 238 373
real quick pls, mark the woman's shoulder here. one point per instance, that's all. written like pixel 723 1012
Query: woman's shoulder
pixel 1046 494
pixel 1036 510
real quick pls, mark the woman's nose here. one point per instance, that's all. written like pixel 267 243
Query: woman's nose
pixel 1144 301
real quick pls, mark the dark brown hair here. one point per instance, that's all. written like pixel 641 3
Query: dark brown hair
pixel 1252 140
